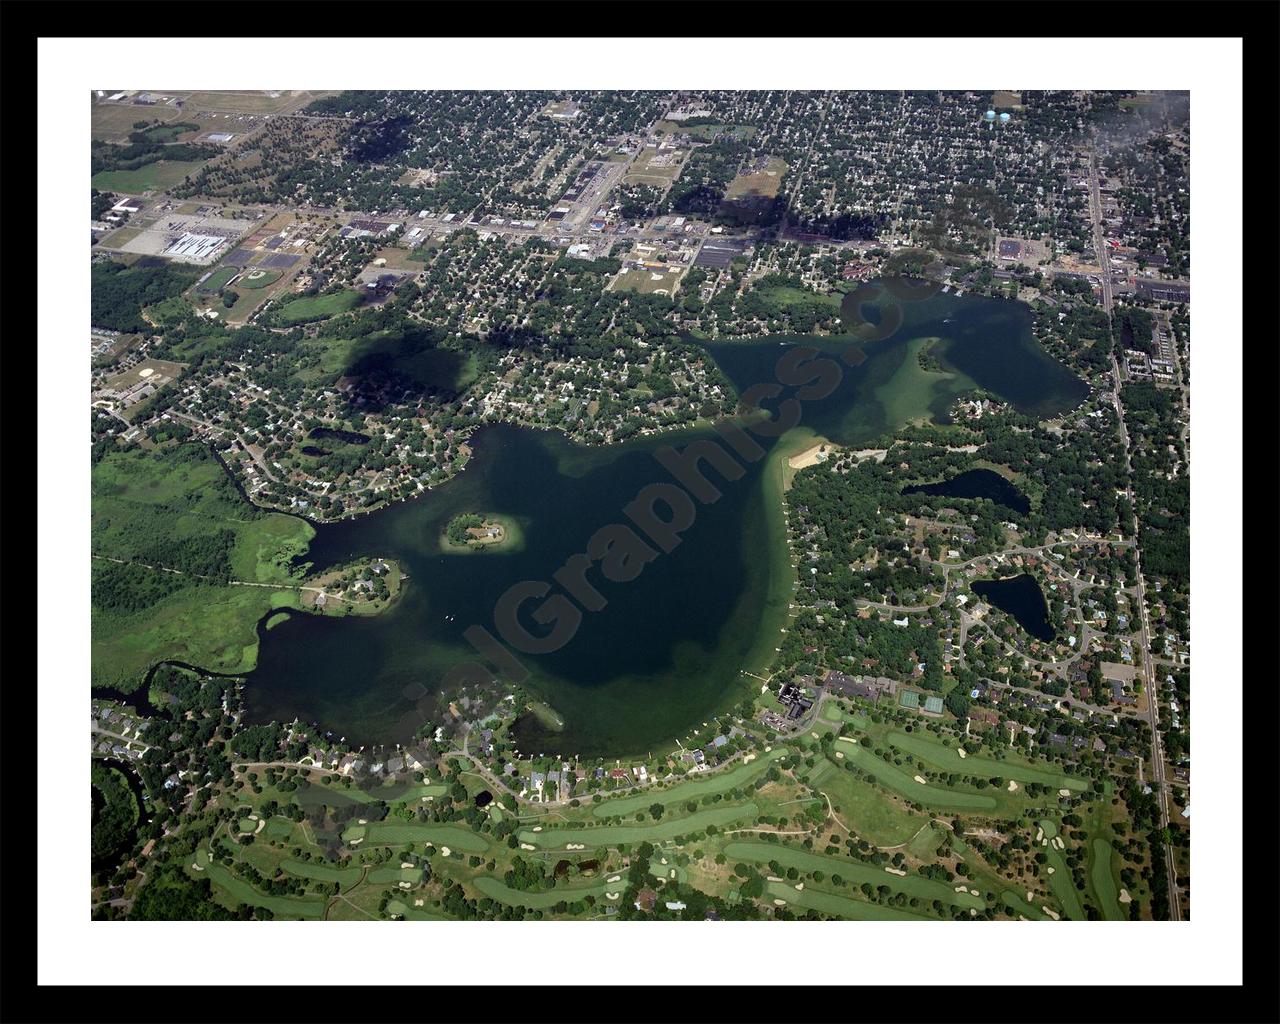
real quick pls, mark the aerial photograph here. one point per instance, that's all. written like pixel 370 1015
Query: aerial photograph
pixel 652 504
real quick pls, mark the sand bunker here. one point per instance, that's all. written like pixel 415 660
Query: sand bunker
pixel 261 825
pixel 575 846
pixel 1064 792
pixel 1125 897
pixel 444 851
pixel 537 828
pixel 779 903
pixel 1013 786
pixel 363 821
pixel 404 885
pixel 612 895
pixel 897 871
pixel 961 752
pixel 527 846
pixel 1053 914
pixel 616 878
pixel 799 886
pixel 406 863
pixel 418 903
pixel 921 779
pixel 1039 834
pixel 840 754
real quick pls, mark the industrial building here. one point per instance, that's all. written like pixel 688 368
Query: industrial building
pixel 196 248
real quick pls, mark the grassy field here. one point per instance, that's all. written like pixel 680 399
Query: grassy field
pixel 647 282
pixel 250 102
pixel 1060 883
pixel 717 782
pixel 240 891
pixel 159 175
pixel 840 906
pixel 248 300
pixel 393 874
pixel 120 237
pixel 903 783
pixel 413 913
pixel 850 870
pixel 1103 880
pixel 218 279
pixel 114 121
pixel 489 886
pixel 212 627
pixel 668 828
pixel 147 504
pixel 258 278
pixel 948 759
pixel 415 356
pixel 318 307
pixel 787 297
pixel 345 877
pixel 763 183
pixel 832 712
pixel 387 833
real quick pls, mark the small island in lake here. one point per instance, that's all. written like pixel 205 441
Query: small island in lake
pixel 475 531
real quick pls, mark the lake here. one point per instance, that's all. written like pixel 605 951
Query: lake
pixel 977 483
pixel 667 651
pixel 1021 597
pixel 978 342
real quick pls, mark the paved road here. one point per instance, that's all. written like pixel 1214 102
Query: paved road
pixel 1153 702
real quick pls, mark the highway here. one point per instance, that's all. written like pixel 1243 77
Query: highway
pixel 1148 675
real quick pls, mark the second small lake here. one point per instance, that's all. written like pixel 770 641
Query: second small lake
pixel 1021 597
pixel 977 483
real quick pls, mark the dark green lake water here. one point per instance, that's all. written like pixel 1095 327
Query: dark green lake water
pixel 667 650
pixel 976 483
pixel 1021 597
pixel 661 655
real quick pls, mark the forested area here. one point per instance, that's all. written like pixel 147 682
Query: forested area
pixel 1161 485
pixel 115 812
pixel 100 203
pixel 123 587
pixel 699 191
pixel 120 293
pixel 143 151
